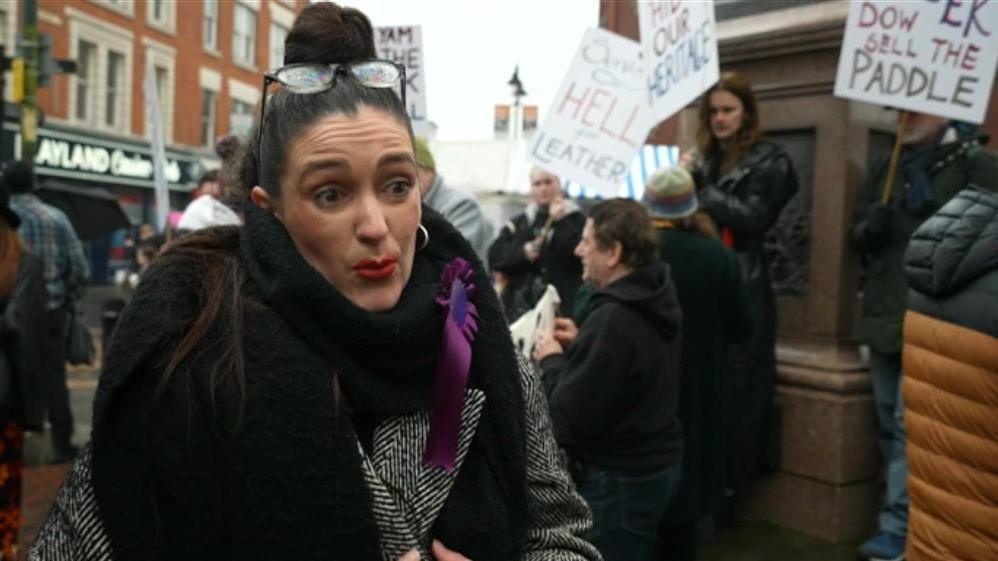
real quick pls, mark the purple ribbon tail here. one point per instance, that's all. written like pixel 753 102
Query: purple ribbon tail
pixel 450 381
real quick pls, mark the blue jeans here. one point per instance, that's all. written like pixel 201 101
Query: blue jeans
pixel 885 373
pixel 626 509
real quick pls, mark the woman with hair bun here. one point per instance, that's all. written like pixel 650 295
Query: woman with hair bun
pixel 333 380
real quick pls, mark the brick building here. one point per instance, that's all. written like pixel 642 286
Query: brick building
pixel 208 57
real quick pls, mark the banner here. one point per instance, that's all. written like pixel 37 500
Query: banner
pixel 935 57
pixel 154 120
pixel 678 41
pixel 538 320
pixel 600 116
pixel 404 44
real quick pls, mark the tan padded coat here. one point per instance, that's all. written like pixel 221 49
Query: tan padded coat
pixel 951 415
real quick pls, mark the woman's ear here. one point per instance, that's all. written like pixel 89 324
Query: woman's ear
pixel 261 198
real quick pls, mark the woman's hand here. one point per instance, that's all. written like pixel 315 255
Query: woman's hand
pixel 546 346
pixel 441 553
pixel 558 208
pixel 565 331
pixel 690 160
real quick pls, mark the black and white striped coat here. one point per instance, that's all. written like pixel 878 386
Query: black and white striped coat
pixel 408 496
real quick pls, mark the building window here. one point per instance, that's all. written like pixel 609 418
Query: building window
pixel 209 25
pixel 244 36
pixel 161 84
pixel 4 18
pixel 112 97
pixel 209 100
pixel 278 33
pixel 240 118
pixel 84 81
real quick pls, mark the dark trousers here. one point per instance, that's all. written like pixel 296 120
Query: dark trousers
pixel 57 394
pixel 626 509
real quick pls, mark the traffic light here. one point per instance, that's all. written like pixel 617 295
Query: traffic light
pixel 48 66
pixel 17 69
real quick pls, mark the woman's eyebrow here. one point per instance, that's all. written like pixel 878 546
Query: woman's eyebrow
pixel 396 158
pixel 322 164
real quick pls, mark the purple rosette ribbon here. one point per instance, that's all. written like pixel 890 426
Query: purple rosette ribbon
pixel 453 363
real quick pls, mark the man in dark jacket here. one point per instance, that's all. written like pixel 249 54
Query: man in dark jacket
pixel 935 164
pixel 535 248
pixel 613 390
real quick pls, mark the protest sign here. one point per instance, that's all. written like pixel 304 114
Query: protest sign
pixel 600 116
pixel 680 47
pixel 935 57
pixel 538 320
pixel 404 44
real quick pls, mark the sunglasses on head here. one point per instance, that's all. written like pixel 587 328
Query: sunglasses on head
pixel 309 78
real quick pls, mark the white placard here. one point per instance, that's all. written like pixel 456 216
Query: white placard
pixel 538 320
pixel 600 117
pixel 678 40
pixel 404 44
pixel 935 57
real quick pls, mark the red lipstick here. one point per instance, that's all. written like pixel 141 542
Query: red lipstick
pixel 376 269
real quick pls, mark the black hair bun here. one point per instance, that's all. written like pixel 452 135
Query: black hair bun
pixel 327 33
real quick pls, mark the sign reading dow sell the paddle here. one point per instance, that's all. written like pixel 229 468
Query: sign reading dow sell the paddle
pixel 931 56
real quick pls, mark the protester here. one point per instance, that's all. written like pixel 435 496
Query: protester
pixel 716 313
pixel 207 209
pixel 612 383
pixel 950 378
pixel 935 165
pixel 48 234
pixel 22 336
pixel 536 248
pixel 743 184
pixel 457 207
pixel 283 390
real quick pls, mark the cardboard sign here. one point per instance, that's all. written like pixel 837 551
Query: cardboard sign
pixel 680 47
pixel 404 44
pixel 935 56
pixel 538 320
pixel 600 116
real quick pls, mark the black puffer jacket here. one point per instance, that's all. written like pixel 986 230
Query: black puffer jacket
pixel 952 263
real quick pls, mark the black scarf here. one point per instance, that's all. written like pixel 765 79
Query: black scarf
pixel 290 486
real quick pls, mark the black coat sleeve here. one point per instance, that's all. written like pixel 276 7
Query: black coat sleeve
pixel 506 252
pixel 23 327
pixel 565 235
pixel 582 385
pixel 864 237
pixel 768 188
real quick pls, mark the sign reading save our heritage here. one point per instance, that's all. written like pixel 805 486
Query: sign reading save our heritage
pixel 679 45
pixel 600 116
pixel 930 56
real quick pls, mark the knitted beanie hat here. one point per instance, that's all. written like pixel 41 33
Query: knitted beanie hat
pixel 670 194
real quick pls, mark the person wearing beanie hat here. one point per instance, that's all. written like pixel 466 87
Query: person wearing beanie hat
pixel 459 208
pixel 716 314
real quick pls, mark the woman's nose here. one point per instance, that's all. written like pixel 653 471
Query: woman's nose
pixel 371 222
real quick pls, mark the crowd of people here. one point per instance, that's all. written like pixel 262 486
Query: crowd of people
pixel 317 364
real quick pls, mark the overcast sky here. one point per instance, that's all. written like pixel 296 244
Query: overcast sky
pixel 471 47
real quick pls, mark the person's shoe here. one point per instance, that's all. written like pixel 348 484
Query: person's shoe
pixel 64 454
pixel 883 546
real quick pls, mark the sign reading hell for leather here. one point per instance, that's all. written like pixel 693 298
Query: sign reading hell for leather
pixel 931 56
pixel 600 117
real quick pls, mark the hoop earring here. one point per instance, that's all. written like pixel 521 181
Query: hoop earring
pixel 426 237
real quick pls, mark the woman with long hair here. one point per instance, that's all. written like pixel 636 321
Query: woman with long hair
pixel 743 183
pixel 22 398
pixel 332 380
